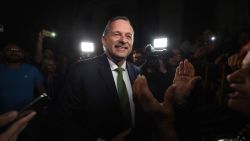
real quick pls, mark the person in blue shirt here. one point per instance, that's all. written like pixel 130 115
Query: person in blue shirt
pixel 18 80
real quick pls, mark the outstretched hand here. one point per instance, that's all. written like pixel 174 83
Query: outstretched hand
pixel 162 113
pixel 184 81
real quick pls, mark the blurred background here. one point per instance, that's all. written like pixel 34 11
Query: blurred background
pixel 84 20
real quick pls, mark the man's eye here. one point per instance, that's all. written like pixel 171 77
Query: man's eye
pixel 116 34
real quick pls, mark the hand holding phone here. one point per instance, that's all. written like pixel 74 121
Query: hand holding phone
pixel 30 109
pixel 35 105
pixel 47 33
pixel 13 130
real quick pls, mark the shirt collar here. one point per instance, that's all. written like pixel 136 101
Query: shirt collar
pixel 113 66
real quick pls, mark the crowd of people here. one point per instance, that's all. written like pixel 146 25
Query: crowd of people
pixel 200 92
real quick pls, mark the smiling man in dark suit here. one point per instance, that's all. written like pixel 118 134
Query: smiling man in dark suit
pixel 97 105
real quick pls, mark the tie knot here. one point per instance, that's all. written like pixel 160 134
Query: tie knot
pixel 119 69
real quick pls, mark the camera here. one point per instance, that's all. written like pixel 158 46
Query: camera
pixel 41 100
pixel 152 57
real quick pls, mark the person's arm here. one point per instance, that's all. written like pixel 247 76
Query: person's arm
pixel 14 130
pixel 162 113
pixel 39 48
pixel 185 81
pixel 38 80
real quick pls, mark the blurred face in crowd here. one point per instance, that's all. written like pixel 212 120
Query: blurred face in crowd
pixel 13 53
pixel 118 40
pixel 240 82
pixel 175 59
pixel 48 53
pixel 49 66
pixel 137 58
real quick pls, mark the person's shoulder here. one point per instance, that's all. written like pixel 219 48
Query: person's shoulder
pixel 87 61
pixel 133 66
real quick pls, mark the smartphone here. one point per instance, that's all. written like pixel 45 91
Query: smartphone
pixel 48 33
pixel 36 105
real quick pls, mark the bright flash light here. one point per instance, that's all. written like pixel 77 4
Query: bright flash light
pixel 53 34
pixel 160 43
pixel 213 38
pixel 87 47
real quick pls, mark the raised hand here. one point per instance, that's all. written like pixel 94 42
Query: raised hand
pixel 162 113
pixel 184 81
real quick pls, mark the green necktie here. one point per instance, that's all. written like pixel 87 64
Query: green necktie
pixel 123 96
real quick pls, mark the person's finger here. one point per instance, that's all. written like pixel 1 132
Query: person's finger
pixel 188 66
pixel 7 117
pixel 18 126
pixel 191 69
pixel 185 67
pixel 181 68
pixel 177 71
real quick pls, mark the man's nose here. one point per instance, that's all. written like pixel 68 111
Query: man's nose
pixel 123 39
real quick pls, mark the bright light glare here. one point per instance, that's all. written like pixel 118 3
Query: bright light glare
pixel 213 38
pixel 87 47
pixel 161 43
pixel 53 34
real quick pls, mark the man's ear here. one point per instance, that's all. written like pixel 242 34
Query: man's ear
pixel 103 41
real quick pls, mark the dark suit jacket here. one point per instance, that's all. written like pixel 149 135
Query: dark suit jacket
pixel 90 105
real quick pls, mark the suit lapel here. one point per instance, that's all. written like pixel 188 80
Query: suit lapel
pixel 106 74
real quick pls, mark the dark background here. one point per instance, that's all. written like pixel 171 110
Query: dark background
pixel 84 20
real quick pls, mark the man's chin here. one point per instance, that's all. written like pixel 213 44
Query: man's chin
pixel 120 57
